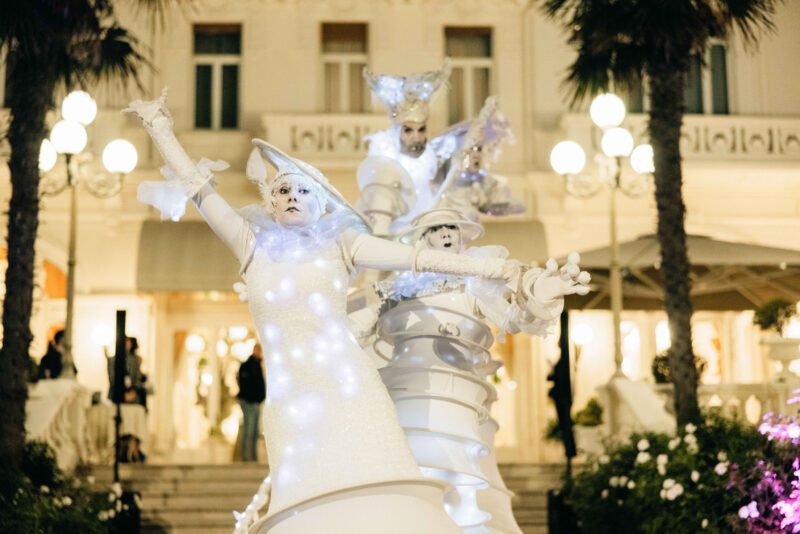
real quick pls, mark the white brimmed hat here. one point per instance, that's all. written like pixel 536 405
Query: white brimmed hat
pixel 286 165
pixel 470 230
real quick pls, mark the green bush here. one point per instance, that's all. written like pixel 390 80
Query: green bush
pixel 774 315
pixel 662 373
pixel 658 483
pixel 41 499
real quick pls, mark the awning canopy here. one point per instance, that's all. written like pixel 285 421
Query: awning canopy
pixel 724 275
pixel 184 256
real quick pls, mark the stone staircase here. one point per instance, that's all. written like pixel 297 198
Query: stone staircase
pixel 199 499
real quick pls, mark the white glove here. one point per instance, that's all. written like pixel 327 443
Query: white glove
pixel 553 283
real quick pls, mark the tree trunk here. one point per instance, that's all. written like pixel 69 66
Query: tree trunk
pixel 666 115
pixel 31 85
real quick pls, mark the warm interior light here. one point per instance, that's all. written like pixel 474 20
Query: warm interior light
pixel 581 334
pixel 195 343
pixel 120 156
pixel 567 157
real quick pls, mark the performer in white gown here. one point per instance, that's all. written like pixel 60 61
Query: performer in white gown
pixel 338 457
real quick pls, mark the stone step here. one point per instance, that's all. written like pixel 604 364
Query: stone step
pixel 188 517
pixel 531 517
pixel 194 487
pixel 185 472
pixel 181 501
pixel 194 529
pixel 531 469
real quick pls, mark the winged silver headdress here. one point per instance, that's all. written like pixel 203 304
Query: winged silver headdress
pixel 407 98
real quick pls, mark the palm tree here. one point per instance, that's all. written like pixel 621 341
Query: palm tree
pixel 621 42
pixel 51 45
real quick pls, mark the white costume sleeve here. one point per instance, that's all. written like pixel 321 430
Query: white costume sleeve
pixel 229 226
pixel 375 253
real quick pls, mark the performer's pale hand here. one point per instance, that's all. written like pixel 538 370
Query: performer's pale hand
pixel 552 283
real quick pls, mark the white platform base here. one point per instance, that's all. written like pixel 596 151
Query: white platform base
pixel 397 507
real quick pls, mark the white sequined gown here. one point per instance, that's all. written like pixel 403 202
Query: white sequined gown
pixel 333 437
pixel 329 422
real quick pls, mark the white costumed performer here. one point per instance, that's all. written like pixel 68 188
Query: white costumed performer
pixel 437 373
pixel 339 460
pixel 407 100
pixel 469 186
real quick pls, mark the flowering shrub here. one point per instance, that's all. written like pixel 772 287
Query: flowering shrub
pixel 658 483
pixel 42 500
pixel 772 485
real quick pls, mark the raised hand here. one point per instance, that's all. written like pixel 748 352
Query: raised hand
pixel 553 282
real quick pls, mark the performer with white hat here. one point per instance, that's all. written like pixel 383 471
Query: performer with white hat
pixel 339 460
pixel 437 328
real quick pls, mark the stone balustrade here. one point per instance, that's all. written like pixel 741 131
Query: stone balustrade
pixel 709 137
pixel 744 402
pixel 322 137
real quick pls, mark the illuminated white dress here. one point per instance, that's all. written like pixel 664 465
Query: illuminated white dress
pixel 329 421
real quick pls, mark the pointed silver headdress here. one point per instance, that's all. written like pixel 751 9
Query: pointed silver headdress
pixel 489 130
pixel 407 97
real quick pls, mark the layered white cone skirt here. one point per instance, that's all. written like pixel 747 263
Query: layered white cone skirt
pixel 435 382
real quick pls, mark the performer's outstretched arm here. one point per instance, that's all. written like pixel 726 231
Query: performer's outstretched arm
pixel 375 253
pixel 229 226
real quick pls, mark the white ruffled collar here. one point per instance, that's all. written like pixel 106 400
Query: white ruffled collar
pixel 296 244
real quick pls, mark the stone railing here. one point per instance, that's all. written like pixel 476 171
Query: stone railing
pixel 711 137
pixel 744 402
pixel 322 137
pixel 56 414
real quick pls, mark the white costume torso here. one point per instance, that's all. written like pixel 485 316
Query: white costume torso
pixel 422 169
pixel 325 402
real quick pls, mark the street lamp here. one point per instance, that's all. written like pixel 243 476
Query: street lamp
pixel 69 137
pixel 569 159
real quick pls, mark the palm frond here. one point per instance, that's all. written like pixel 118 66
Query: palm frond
pixel 157 11
pixel 751 17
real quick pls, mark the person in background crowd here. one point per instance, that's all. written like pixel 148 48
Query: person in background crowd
pixel 133 373
pixel 51 365
pixel 252 392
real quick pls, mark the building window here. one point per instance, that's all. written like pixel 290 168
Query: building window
pixel 217 57
pixel 471 81
pixel 706 88
pixel 344 56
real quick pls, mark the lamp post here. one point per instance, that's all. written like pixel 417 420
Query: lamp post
pixel 569 159
pixel 69 137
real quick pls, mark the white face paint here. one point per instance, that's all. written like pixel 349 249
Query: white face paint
pixel 295 201
pixel 446 237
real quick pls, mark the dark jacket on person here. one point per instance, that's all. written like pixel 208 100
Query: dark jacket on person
pixel 252 385
pixel 51 361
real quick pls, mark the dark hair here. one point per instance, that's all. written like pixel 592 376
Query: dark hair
pixel 58 336
pixel 134 344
